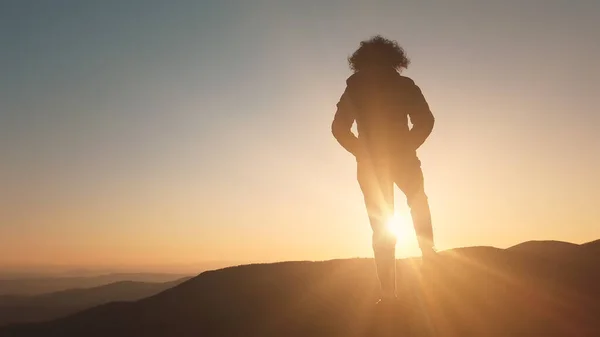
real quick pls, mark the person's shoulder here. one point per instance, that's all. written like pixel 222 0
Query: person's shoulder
pixel 405 80
pixel 408 85
pixel 354 78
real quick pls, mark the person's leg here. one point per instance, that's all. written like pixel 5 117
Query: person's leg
pixel 378 191
pixel 409 178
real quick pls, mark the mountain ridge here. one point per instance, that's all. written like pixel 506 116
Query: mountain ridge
pixel 474 291
pixel 35 308
pixel 41 285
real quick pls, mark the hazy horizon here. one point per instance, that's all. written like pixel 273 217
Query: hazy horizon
pixel 194 268
pixel 146 133
pixel 77 270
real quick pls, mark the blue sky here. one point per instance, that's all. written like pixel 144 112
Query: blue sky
pixel 199 130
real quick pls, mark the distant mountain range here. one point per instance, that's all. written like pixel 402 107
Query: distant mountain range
pixel 42 285
pixel 37 308
pixel 532 289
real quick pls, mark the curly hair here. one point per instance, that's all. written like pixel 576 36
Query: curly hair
pixel 378 51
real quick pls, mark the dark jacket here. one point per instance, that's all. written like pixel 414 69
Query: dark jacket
pixel 380 100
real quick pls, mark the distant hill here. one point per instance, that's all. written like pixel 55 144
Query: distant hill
pixel 37 308
pixel 477 291
pixel 591 248
pixel 547 248
pixel 36 286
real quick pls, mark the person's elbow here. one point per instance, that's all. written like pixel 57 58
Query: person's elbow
pixel 334 129
pixel 426 119
pixel 431 121
pixel 337 130
pixel 423 121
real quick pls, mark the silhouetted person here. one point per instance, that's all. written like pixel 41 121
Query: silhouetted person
pixel 381 101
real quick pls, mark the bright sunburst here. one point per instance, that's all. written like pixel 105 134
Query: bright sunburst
pixel 401 226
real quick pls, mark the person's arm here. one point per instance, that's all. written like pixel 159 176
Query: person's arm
pixel 420 115
pixel 342 125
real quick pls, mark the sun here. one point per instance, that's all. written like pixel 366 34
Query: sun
pixel 400 225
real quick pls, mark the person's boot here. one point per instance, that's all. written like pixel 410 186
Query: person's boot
pixel 384 249
pixel 428 260
pixel 387 301
pixel 386 272
pixel 385 262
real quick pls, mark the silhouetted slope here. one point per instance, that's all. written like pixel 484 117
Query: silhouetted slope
pixel 37 286
pixel 547 249
pixel 561 252
pixel 592 248
pixel 17 309
pixel 479 291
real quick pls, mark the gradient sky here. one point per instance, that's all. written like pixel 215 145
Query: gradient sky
pixel 172 132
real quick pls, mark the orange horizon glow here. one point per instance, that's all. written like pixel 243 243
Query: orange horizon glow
pixel 167 138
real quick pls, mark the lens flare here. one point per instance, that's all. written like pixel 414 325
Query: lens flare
pixel 400 225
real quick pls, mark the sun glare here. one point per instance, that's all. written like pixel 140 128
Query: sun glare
pixel 400 225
